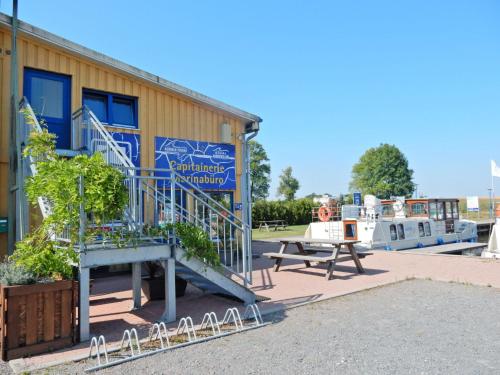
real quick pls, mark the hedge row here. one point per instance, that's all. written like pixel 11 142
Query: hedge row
pixel 295 212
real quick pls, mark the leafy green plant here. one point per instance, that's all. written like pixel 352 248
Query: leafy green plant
pixel 196 242
pixel 57 180
pixel 13 274
pixel 41 256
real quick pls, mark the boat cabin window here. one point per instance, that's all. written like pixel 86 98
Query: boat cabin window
pixel 387 210
pixel 449 210
pixel 350 230
pixel 433 210
pixel 421 230
pixel 419 209
pixel 401 231
pixel 440 211
pixel 456 212
pixel 394 234
pixel 427 227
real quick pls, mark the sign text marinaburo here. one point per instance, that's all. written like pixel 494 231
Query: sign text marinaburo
pixel 204 164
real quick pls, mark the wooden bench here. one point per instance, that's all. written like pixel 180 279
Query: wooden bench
pixel 306 254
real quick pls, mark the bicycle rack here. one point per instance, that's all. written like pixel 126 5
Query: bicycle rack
pixel 186 324
pixel 210 321
pixel 128 335
pixel 255 311
pixel 158 331
pixel 97 342
pixel 233 313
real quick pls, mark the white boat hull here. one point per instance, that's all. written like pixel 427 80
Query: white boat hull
pixel 378 235
pixel 493 249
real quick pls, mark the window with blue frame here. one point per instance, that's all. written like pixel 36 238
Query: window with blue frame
pixel 112 109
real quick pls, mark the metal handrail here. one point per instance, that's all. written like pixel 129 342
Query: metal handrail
pixel 156 171
pixel 24 105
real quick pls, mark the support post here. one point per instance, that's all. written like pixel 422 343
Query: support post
pixel 136 285
pixel 83 312
pixel 169 315
pixel 13 200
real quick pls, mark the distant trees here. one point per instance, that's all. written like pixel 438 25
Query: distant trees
pixel 288 185
pixel 260 170
pixel 383 171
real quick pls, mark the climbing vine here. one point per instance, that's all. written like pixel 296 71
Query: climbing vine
pixel 58 181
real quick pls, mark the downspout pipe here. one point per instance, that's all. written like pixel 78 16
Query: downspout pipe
pixel 13 200
pixel 245 191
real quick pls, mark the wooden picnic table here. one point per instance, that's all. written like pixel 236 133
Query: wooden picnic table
pixel 272 223
pixel 305 253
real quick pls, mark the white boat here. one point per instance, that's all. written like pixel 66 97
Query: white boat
pixel 493 249
pixel 395 224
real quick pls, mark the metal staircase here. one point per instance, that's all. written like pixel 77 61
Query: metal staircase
pixel 158 197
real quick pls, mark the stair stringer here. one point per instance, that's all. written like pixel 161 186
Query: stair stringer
pixel 208 274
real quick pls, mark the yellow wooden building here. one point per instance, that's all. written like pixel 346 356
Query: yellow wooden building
pixel 141 110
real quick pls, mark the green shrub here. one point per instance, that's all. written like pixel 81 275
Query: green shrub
pixel 57 179
pixel 295 212
pixel 196 242
pixel 42 257
pixel 13 274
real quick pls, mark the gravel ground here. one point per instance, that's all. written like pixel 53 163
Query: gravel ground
pixel 413 327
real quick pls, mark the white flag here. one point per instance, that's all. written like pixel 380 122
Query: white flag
pixel 495 169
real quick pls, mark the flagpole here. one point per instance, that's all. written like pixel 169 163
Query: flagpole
pixel 492 197
pixel 494 172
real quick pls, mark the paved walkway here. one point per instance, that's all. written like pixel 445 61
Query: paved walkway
pixel 293 285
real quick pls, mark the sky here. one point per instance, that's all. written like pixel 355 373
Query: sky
pixel 329 78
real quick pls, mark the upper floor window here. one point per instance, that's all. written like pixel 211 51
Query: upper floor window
pixel 112 109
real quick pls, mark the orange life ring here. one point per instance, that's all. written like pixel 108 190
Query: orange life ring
pixel 324 213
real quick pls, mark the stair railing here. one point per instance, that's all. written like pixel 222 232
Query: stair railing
pixel 90 136
pixel 29 123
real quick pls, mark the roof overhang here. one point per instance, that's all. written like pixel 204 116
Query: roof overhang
pixel 77 49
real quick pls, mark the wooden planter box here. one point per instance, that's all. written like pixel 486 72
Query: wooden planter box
pixel 37 318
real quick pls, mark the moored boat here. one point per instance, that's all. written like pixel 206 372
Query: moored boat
pixel 394 224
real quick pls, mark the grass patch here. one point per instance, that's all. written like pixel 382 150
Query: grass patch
pixel 292 230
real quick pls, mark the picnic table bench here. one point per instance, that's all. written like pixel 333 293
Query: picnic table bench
pixel 307 254
pixel 272 223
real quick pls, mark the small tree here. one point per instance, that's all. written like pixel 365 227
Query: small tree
pixel 288 185
pixel 383 171
pixel 260 171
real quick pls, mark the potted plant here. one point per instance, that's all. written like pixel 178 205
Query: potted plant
pixel 38 314
pixel 153 285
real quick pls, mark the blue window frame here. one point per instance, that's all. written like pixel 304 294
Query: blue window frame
pixel 112 109
pixel 50 97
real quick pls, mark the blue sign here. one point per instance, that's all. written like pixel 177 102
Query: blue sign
pixel 131 143
pixel 204 164
pixel 356 198
pixel 238 206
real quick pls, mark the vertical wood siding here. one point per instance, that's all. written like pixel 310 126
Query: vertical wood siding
pixel 161 112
